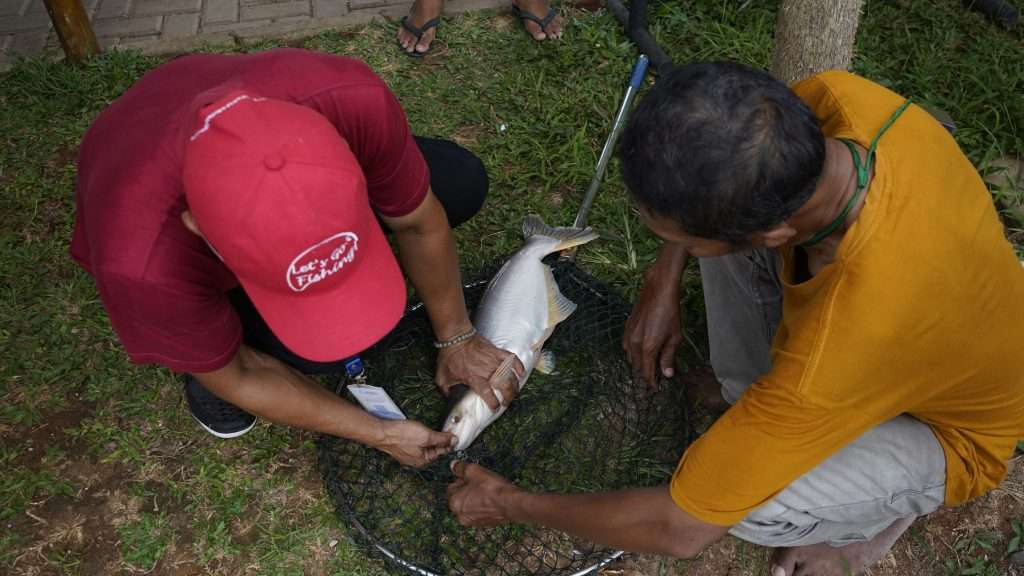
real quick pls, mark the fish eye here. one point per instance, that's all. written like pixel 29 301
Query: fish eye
pixel 455 419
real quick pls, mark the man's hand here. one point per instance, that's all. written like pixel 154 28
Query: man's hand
pixel 473 363
pixel 644 520
pixel 654 329
pixel 477 495
pixel 412 443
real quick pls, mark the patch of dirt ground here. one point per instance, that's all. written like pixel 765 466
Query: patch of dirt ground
pixel 77 533
pixel 80 525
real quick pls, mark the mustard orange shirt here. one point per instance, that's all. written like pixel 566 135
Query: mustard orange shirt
pixel 922 312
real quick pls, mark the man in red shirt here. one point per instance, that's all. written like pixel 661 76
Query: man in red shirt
pixel 230 211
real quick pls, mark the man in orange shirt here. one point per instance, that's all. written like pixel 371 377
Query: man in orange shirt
pixel 865 317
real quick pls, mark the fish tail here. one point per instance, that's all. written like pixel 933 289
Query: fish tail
pixel 567 237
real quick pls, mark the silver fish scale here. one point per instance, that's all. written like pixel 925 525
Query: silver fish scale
pixel 513 314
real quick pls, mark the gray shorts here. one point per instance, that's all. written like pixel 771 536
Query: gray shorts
pixel 895 470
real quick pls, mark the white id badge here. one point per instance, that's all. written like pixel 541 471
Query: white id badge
pixel 376 401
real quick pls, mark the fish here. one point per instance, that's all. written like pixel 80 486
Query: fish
pixel 517 313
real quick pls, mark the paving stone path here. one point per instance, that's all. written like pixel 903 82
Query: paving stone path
pixel 169 25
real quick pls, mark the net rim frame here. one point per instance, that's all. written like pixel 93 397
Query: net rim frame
pixel 372 543
pixel 409 566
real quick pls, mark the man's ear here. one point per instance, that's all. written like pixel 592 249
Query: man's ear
pixel 190 222
pixel 775 237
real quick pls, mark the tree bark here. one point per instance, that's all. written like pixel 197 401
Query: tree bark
pixel 812 36
pixel 73 28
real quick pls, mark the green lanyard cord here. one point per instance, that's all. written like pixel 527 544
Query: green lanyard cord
pixel 863 175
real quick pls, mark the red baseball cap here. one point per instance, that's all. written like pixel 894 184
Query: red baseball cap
pixel 279 196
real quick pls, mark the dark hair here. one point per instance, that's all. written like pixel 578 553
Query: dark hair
pixel 722 149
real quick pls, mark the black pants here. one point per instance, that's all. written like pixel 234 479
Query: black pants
pixel 459 181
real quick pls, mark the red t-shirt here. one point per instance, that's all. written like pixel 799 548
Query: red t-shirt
pixel 163 288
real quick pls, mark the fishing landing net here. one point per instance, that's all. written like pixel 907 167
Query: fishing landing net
pixel 587 427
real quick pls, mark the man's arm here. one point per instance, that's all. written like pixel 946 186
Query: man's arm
pixel 654 329
pixel 266 387
pixel 426 249
pixel 644 520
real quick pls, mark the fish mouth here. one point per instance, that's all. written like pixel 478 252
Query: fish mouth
pixel 459 427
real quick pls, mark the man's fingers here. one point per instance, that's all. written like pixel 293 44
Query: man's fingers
pixel 475 472
pixel 453 494
pixel 635 358
pixel 444 384
pixel 490 398
pixel 442 440
pixel 668 356
pixel 458 468
pixel 507 386
pixel 650 359
pixel 454 486
pixel 635 344
pixel 432 454
pixel 627 334
pixel 466 472
pixel 508 391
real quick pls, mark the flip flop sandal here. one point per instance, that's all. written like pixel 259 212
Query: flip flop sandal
pixel 419 32
pixel 542 22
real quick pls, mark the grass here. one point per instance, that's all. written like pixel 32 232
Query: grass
pixel 105 457
pixel 974 555
pixel 144 542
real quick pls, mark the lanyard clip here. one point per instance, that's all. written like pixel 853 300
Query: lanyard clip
pixel 354 369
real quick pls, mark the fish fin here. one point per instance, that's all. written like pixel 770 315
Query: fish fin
pixel 559 307
pixel 546 362
pixel 567 237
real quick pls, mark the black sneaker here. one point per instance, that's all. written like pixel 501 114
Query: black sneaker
pixel 220 418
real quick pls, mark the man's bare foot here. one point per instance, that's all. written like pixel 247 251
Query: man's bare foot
pixel 422 11
pixel 539 9
pixel 824 560
pixel 706 389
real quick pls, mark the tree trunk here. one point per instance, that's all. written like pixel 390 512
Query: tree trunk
pixel 73 28
pixel 812 36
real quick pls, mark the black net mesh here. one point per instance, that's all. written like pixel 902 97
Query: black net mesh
pixel 587 427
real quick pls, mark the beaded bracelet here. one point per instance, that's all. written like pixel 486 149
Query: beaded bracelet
pixel 456 340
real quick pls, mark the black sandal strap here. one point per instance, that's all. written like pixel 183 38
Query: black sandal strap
pixel 543 23
pixel 417 31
